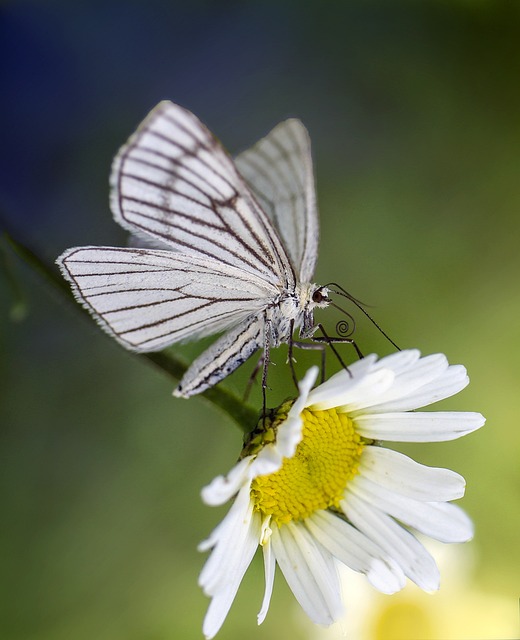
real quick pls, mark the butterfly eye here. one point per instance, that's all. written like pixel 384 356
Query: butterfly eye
pixel 318 296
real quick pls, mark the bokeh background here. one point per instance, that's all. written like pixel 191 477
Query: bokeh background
pixel 414 114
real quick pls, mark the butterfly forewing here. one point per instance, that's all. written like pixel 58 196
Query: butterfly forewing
pixel 174 181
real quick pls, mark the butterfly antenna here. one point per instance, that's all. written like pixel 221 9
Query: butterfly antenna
pixel 339 290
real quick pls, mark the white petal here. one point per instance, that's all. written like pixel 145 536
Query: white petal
pixel 425 426
pixel 416 382
pixel 309 571
pixel 227 540
pixel 268 460
pixel 398 543
pixel 400 361
pixel 409 372
pixel 438 520
pixel 235 542
pixel 423 386
pixel 418 374
pixel 223 488
pixel 350 391
pixel 399 473
pixel 290 432
pixel 337 385
pixel 271 456
pixel 355 550
pixel 348 394
pixel 269 569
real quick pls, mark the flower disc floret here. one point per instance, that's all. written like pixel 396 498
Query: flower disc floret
pixel 326 458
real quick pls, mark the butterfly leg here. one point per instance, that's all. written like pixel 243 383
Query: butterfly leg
pixel 331 341
pixel 266 360
pixel 252 377
pixel 290 358
pixel 317 345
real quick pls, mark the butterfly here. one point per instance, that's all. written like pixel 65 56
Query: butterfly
pixel 222 246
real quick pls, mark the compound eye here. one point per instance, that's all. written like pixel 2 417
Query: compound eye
pixel 318 296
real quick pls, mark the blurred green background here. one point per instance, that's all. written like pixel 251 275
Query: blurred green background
pixel 414 113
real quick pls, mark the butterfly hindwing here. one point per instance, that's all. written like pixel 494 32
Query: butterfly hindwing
pixel 279 171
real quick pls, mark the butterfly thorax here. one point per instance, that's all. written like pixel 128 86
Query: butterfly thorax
pixel 296 308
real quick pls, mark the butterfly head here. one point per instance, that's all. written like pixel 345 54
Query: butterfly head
pixel 312 297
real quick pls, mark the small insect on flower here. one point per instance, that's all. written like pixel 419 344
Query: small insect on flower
pixel 224 246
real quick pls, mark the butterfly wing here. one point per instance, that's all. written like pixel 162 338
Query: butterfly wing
pixel 174 182
pixel 215 259
pixel 224 356
pixel 148 299
pixel 279 171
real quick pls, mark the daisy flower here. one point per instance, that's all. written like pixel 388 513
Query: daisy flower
pixel 314 486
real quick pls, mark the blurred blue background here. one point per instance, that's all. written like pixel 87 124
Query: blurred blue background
pixel 414 114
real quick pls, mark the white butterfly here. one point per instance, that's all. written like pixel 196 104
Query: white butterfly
pixel 224 245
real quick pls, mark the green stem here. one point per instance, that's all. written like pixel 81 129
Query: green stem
pixel 242 414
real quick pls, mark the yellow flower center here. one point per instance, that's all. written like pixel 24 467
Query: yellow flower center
pixel 326 458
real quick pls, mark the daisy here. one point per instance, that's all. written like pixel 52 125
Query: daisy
pixel 314 486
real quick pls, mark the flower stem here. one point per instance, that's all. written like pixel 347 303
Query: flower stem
pixel 242 414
